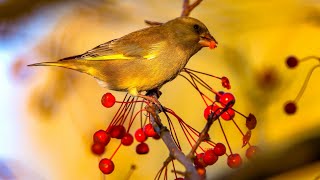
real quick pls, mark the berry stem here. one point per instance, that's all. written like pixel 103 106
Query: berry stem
pixel 174 169
pixel 187 70
pixel 237 127
pixel 225 137
pixel 204 133
pixel 309 57
pixel 134 117
pixel 173 133
pixel 114 153
pixel 305 84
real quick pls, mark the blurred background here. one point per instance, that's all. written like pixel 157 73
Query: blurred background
pixel 48 115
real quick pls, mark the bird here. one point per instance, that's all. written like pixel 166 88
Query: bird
pixel 142 60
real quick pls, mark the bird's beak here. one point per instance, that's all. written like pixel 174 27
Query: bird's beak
pixel 207 40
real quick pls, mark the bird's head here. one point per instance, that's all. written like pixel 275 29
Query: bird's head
pixel 191 33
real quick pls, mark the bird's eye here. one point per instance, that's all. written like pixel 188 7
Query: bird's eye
pixel 196 27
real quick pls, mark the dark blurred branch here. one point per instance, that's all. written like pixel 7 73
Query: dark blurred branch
pixel 276 162
pixel 16 9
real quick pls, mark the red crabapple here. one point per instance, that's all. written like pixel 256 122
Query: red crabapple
pixel 106 166
pixel 251 152
pixel 140 135
pixel 219 149
pixel 142 148
pixel 127 139
pixel 227 98
pixel 117 131
pixel 149 131
pixel 228 115
pixel 108 100
pixel 210 157
pixel 234 161
pixel 198 160
pixel 101 137
pixel 211 109
pixel 97 148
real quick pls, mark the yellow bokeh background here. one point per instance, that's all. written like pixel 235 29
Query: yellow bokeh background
pixel 50 115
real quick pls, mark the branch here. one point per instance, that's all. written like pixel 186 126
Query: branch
pixel 187 7
pixel 186 10
pixel 152 23
pixel 204 133
pixel 175 152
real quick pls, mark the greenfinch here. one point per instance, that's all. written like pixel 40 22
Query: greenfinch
pixel 142 60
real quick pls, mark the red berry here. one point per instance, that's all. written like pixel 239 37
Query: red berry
pixel 142 148
pixel 117 131
pixel 218 95
pixel 140 135
pixel 101 137
pixel 97 148
pixel 127 139
pixel 211 109
pixel 201 171
pixel 219 149
pixel 149 131
pixel 252 151
pixel 108 100
pixel 225 82
pixel 292 62
pixel 227 98
pixel 210 157
pixel 228 115
pixel 179 178
pixel 156 137
pixel 106 166
pixel 234 161
pixel 290 107
pixel 251 121
pixel 198 160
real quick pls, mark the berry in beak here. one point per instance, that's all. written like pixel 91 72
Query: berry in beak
pixel 207 40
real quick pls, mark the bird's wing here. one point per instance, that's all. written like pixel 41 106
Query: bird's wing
pixel 141 44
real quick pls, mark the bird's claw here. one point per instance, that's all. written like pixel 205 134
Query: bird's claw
pixel 152 100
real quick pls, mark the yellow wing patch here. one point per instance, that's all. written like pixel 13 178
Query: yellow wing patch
pixel 108 57
pixel 154 50
pixel 150 53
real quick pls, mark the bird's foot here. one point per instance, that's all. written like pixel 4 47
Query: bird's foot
pixel 152 100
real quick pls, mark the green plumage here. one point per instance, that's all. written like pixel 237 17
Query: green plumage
pixel 144 59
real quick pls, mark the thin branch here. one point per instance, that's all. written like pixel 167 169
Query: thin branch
pixel 187 7
pixel 186 10
pixel 175 152
pixel 153 23
pixel 204 133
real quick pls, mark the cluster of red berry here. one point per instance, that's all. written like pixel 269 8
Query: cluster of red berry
pixel 221 106
pixel 117 130
pixel 234 160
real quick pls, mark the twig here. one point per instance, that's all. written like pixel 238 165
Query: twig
pixel 152 23
pixel 204 133
pixel 186 10
pixel 165 164
pixel 187 7
pixel 175 152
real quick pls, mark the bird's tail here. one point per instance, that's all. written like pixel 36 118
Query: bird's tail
pixel 78 66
